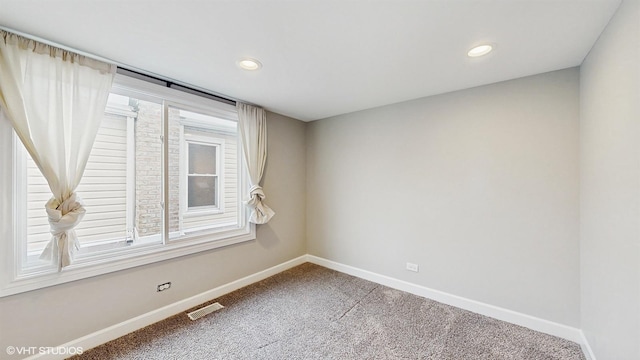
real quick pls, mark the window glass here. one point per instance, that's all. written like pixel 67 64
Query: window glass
pixel 202 191
pixel 202 159
pixel 121 186
pixel 203 173
pixel 147 196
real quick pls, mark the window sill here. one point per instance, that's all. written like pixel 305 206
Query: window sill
pixel 86 267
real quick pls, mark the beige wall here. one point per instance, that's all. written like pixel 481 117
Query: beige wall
pixel 478 187
pixel 610 189
pixel 58 314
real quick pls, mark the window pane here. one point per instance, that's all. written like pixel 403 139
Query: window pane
pixel 202 191
pixel 104 184
pixel 203 174
pixel 121 186
pixel 202 159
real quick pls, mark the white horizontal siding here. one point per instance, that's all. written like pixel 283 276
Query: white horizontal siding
pixel 103 190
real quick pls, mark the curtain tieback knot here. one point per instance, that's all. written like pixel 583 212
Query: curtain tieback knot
pixel 66 215
pixel 262 213
pixel 256 193
pixel 63 217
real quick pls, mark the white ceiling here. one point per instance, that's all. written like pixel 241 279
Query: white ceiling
pixel 322 57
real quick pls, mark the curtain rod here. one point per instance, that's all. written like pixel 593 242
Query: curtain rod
pixel 174 85
pixel 131 70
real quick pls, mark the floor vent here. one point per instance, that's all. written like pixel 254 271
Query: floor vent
pixel 195 315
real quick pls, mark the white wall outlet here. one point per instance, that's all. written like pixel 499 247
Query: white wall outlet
pixel 412 267
pixel 163 287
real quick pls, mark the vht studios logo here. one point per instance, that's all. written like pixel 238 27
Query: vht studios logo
pixel 43 350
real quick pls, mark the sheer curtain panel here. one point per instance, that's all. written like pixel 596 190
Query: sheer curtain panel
pixel 55 101
pixel 252 123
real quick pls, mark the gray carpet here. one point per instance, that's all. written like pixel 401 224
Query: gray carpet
pixel 310 312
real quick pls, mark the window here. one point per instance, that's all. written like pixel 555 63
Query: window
pixel 202 175
pixel 107 188
pixel 208 168
pixel 165 178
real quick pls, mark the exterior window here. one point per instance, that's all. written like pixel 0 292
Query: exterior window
pixel 202 179
pixel 164 179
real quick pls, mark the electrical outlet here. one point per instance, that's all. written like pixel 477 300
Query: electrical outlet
pixel 163 287
pixel 412 267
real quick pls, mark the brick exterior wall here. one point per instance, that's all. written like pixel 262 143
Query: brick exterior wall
pixel 174 170
pixel 148 130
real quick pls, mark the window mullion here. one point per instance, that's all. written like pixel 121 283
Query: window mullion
pixel 131 180
pixel 165 171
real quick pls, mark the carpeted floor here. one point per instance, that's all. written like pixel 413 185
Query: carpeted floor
pixel 310 312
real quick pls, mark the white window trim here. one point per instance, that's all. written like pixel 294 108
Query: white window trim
pixel 19 206
pixel 12 281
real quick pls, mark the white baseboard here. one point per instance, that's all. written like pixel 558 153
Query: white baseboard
pixel 514 317
pixel 586 348
pixel 123 328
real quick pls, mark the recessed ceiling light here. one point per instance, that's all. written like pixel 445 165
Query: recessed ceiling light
pixel 249 64
pixel 480 50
